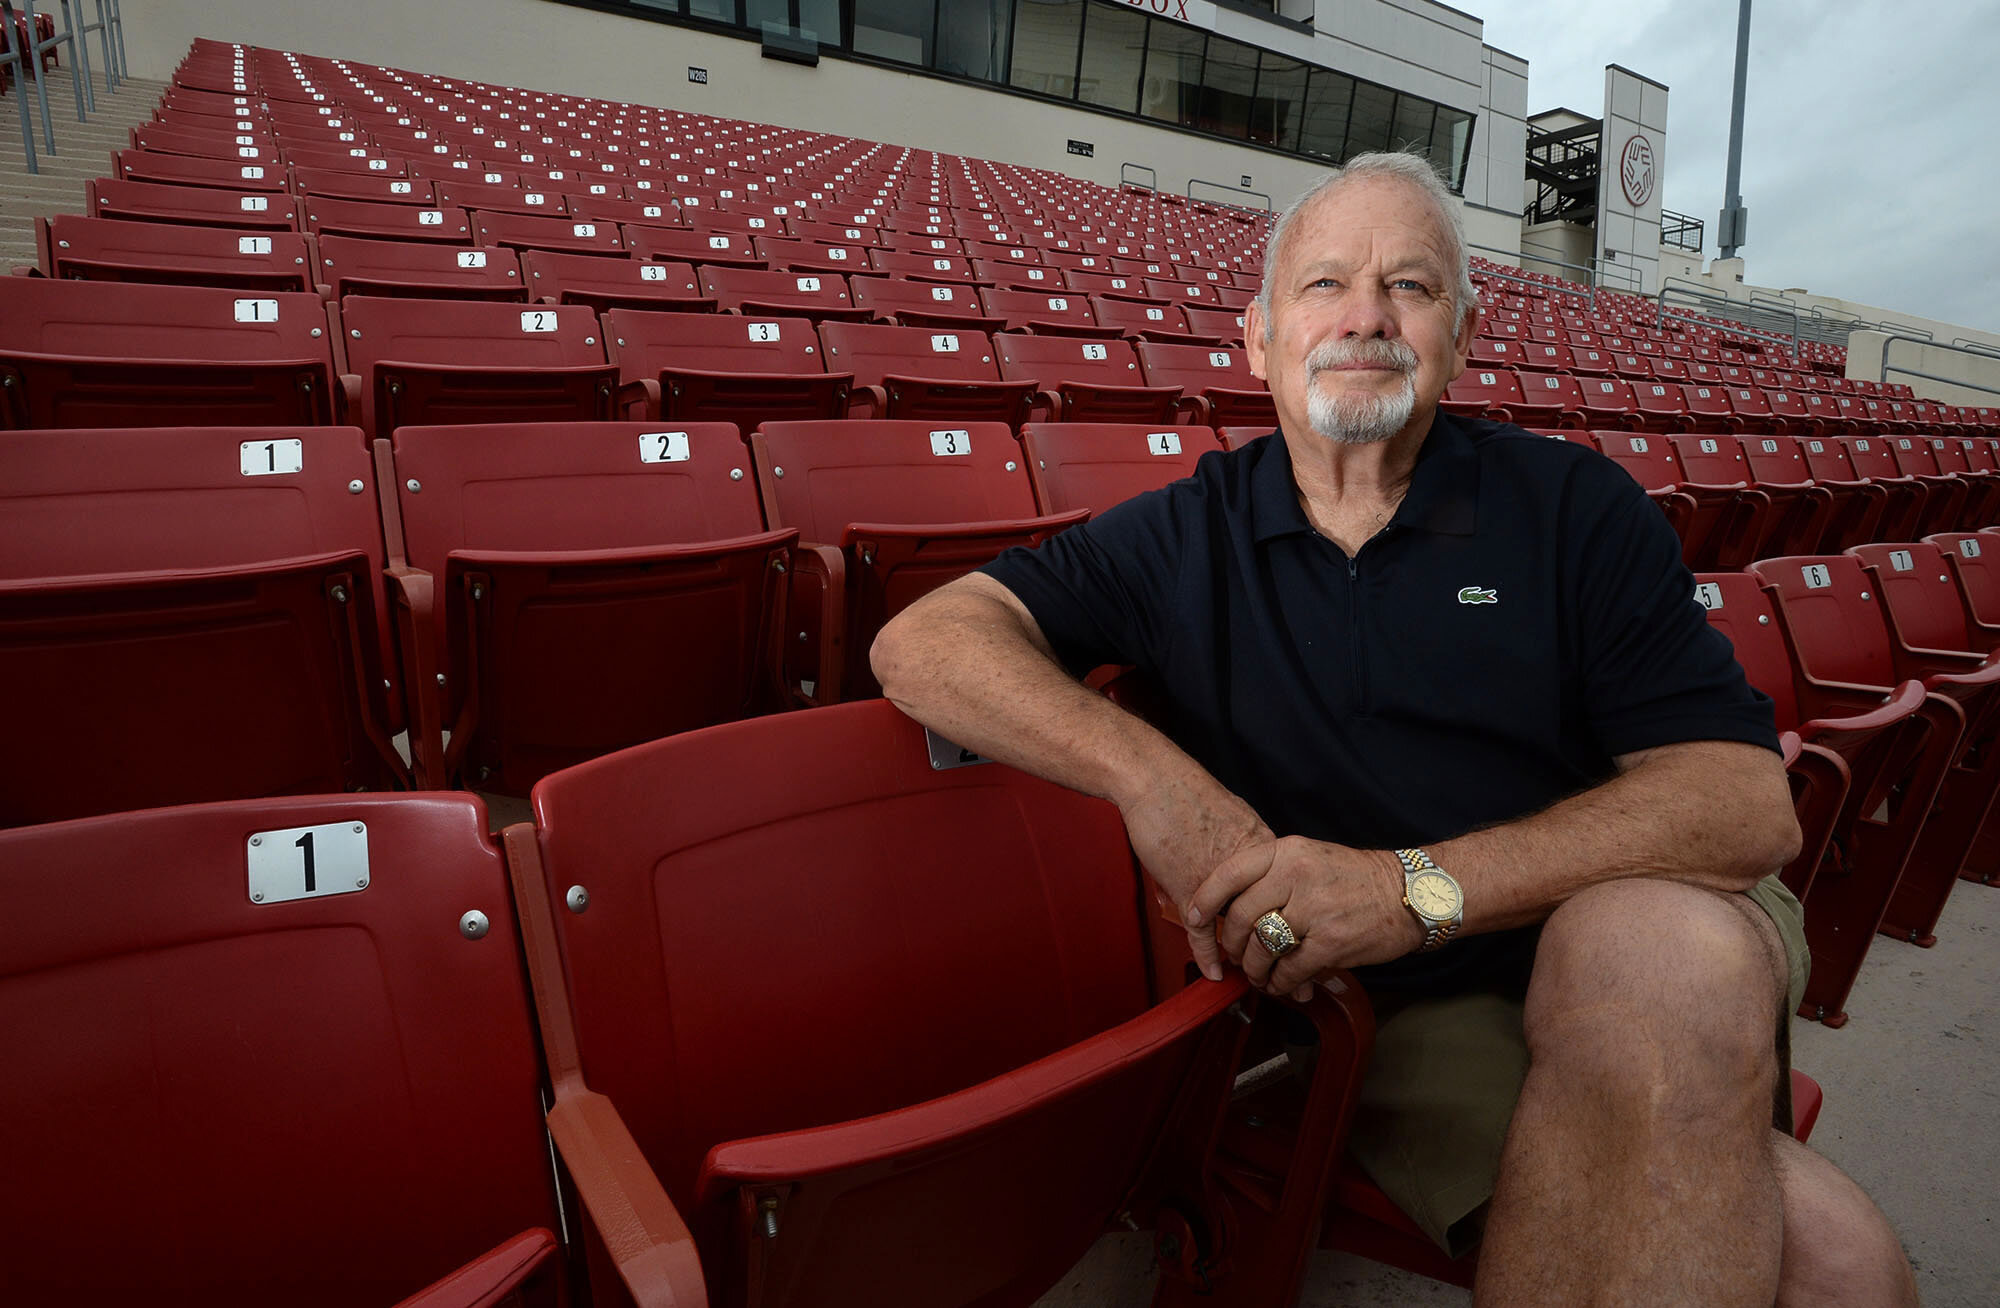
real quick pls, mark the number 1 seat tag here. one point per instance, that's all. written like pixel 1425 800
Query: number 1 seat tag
pixel 256 310
pixel 663 447
pixel 268 458
pixel 307 862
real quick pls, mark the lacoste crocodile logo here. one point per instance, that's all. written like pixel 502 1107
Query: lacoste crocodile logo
pixel 1478 595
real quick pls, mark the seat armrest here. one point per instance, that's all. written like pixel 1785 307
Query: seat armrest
pixel 644 1234
pixel 819 598
pixel 492 1277
pixel 644 395
pixel 412 605
pixel 349 402
pixel 867 401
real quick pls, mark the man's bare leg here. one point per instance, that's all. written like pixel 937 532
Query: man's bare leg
pixel 1840 1252
pixel 1639 1168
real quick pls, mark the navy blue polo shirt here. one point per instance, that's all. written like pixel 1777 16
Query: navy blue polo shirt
pixel 1523 619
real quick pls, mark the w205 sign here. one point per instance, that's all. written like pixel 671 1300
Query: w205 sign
pixel 1165 8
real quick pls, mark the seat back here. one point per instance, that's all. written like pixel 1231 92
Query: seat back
pixel 932 265
pixel 104 354
pixel 895 472
pixel 1225 325
pixel 1776 460
pixel 447 361
pixel 1650 459
pixel 1662 404
pixel 537 232
pixel 867 1125
pixel 1974 559
pixel 365 186
pixel 1914 580
pixel 1137 320
pixel 1220 373
pixel 1828 459
pixel 350 265
pixel 254 1040
pixel 601 283
pixel 1027 310
pixel 601 589
pixel 1711 460
pixel 325 216
pixel 1835 623
pixel 874 351
pixel 1738 608
pixel 809 294
pixel 1052 361
pixel 1482 391
pixel 252 209
pixel 919 303
pixel 106 249
pixel 706 247
pixel 1096 465
pixel 1025 274
pixel 1708 404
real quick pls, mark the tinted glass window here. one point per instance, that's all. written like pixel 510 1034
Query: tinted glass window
pixel 1228 80
pixel 1172 90
pixel 1323 131
pixel 972 38
pixel 1045 37
pixel 1280 103
pixel 1368 128
pixel 895 29
pixel 1114 47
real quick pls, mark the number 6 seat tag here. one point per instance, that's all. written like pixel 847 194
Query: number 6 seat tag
pixel 947 443
pixel 307 862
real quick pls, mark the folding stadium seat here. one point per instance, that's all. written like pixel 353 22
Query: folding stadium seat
pixel 889 511
pixel 601 283
pixel 528 232
pixel 1890 749
pixel 820 297
pixel 1660 407
pixel 704 247
pixel 1954 457
pixel 101 354
pixel 924 373
pixel 1947 495
pixel 236 175
pixel 1546 356
pixel 197 613
pixel 834 233
pixel 349 265
pixel 1093 466
pixel 1085 381
pixel 1909 499
pixel 1060 314
pixel 1223 326
pixel 923 304
pixel 1859 505
pixel 1496 354
pixel 1841 632
pixel 244 147
pixel 1113 284
pixel 463 361
pixel 1719 462
pixel 387 222
pixel 1243 399
pixel 1709 409
pixel 1018 276
pixel 1709 520
pixel 105 249
pixel 1800 510
pixel 783 253
pixel 698 367
pixel 931 266
pixel 1560 389
pixel 524 201
pixel 1000 1128
pixel 1497 394
pixel 204 206
pixel 568 597
pixel 1138 321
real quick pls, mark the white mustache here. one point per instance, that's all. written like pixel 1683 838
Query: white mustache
pixel 1367 353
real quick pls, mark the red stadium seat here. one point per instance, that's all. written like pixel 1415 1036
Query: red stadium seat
pixel 1061 314
pixel 241 176
pixel 698 367
pixel 1019 276
pixel 253 210
pixel 923 304
pixel 708 248
pixel 530 232
pixel 1224 326
pixel 1497 394
pixel 1660 407
pixel 1608 404
pixel 601 283
pixel 104 354
pixel 426 362
pixel 820 297
pixel 1800 511
pixel 1217 387
pixel 349 265
pixel 924 373
pixel 1093 466
pixel 1715 464
pixel 933 266
pixel 1085 381
pixel 1831 608
pixel 1945 494
pixel 497 199
pixel 105 249
pixel 1909 499
pixel 254 1053
pixel 386 222
pixel 999 1128
pixel 889 512
pixel 1894 746
pixel 372 187
pixel 578 595
pixel 810 256
pixel 1167 323
pixel 198 615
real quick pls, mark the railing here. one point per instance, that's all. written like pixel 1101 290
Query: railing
pixel 1586 291
pixel 1884 368
pixel 1749 317
pixel 1976 347
pixel 1152 182
pixel 1224 186
pixel 1682 231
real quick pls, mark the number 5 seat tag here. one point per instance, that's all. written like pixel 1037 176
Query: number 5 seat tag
pixel 307 862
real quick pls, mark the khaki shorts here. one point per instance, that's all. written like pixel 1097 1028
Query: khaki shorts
pixel 1444 1078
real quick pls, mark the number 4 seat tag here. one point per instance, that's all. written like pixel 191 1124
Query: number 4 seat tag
pixel 307 862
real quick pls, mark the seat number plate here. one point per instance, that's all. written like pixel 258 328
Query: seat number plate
pixel 1163 442
pixel 307 862
pixel 271 458
pixel 947 443
pixel 663 447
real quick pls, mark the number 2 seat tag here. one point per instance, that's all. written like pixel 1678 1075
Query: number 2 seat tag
pixel 538 320
pixel 307 862
pixel 664 447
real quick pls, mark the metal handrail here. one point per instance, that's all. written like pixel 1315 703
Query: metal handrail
pixel 1703 295
pixel 1567 288
pixel 1152 185
pixel 1224 186
pixel 1977 347
pixel 1735 328
pixel 10 54
pixel 1883 368
pixel 115 27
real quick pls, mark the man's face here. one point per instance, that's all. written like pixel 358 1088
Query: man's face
pixel 1364 333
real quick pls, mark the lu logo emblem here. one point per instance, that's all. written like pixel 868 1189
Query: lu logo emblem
pixel 1478 595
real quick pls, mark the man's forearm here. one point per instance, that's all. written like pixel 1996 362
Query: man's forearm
pixel 1709 813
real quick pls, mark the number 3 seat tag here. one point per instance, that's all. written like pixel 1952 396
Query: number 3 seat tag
pixel 307 862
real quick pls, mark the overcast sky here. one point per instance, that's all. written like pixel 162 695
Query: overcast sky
pixel 1871 134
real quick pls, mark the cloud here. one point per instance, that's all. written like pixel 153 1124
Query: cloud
pixel 1869 166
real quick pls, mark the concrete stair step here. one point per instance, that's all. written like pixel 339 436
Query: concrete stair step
pixel 83 152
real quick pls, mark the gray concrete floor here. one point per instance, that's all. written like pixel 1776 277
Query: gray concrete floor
pixel 1912 1112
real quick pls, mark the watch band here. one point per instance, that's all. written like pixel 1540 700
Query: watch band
pixel 1436 933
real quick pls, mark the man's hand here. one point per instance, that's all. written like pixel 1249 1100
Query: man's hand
pixel 1185 828
pixel 1344 905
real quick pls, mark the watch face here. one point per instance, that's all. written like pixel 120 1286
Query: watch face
pixel 1434 895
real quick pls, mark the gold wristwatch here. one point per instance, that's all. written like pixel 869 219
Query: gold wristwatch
pixel 1433 895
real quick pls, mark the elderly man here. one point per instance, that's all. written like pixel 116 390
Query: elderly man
pixel 1439 708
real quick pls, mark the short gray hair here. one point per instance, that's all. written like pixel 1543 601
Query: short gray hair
pixel 1418 172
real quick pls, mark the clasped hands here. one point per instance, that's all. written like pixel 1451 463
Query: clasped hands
pixel 1211 854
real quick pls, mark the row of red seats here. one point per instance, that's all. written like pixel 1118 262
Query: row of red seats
pixel 1881 659
pixel 97 354
pixel 1534 398
pixel 336 1001
pixel 542 594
